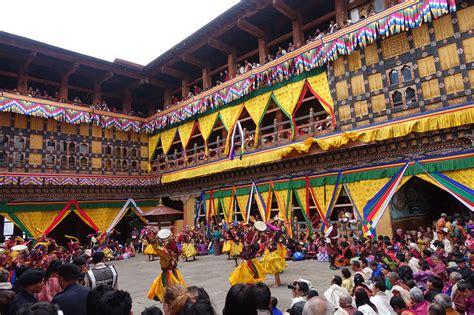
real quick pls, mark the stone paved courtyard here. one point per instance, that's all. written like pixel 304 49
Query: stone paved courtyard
pixel 212 272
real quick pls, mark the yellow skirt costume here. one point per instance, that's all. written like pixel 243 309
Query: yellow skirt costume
pixel 189 250
pixel 150 250
pixel 166 278
pixel 273 263
pixel 248 272
pixel 227 246
pixel 281 250
pixel 236 249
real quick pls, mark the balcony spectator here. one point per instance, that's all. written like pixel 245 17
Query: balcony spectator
pixel 247 66
pixel 77 101
pixel 197 90
pixel 332 27
pixel 291 47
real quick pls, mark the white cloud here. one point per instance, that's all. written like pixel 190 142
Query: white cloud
pixel 137 31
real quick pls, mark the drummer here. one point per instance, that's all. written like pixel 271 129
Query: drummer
pixel 168 253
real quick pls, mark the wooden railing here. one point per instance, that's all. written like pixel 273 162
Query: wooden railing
pixel 276 134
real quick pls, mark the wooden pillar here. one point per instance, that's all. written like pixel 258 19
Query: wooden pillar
pixel 341 12
pixel 188 212
pixel 63 88
pixel 231 60
pixel 97 94
pixel 262 50
pixel 206 77
pixel 127 100
pixel 22 83
pixel 184 88
pixel 298 35
pixel 167 98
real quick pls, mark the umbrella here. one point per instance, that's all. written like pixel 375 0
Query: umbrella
pixel 162 212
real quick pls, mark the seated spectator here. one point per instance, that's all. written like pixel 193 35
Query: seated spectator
pixel 334 292
pixel 445 301
pixel 347 282
pixel 381 299
pixel 464 299
pixel 420 305
pixel 273 305
pixel 400 307
pixel 31 282
pixel 399 287
pixel 345 305
pixel 363 302
pixel 436 309
pixel 434 286
pixel 115 303
pixel 6 293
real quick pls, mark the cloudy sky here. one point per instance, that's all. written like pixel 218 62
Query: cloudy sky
pixel 137 31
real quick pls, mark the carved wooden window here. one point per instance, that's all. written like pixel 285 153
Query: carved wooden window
pixel 50 159
pixel 124 152
pixel 124 165
pixel 421 36
pixel 378 103
pixel 371 54
pixel 465 20
pixel 3 158
pixel 50 145
pixel 341 90
pixel 375 82
pixel 19 158
pixel 4 141
pixel 339 66
pixel 83 148
pixel 64 161
pixel 397 98
pixel 134 165
pixel 393 77
pixel 108 164
pixel 453 83
pixel 407 74
pixel 108 150
pixel 410 96
pixel 354 60
pixel 72 147
pixel 358 86
pixel 83 162
pixel 72 161
pixel 64 145
pixel 118 152
pixel 19 142
pixel 134 152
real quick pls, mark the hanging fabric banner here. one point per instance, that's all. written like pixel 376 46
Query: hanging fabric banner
pixel 185 131
pixel 335 195
pixel 102 217
pixel 287 97
pixel 229 117
pixel 37 221
pixel 319 86
pixel 152 144
pixel 206 124
pixel 249 202
pixel 242 201
pixel 375 208
pixel 167 138
pixel 256 107
pixel 227 204
pixel 284 200
pixel 319 207
pixel 59 217
pixel 301 197
pixel 261 200
pixel 464 177
pixel 123 211
pixel 464 194
pixel 238 128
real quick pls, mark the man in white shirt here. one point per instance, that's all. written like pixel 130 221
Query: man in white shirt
pixel 381 299
pixel 334 292
pixel 412 262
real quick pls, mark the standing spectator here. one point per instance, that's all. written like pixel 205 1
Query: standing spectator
pixel 6 293
pixel 135 235
pixel 381 300
pixel 73 299
pixel 31 282
pixel 115 303
pixel 51 282
pixel 101 273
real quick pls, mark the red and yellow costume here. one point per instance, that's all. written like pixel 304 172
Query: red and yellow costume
pixel 250 270
pixel 170 274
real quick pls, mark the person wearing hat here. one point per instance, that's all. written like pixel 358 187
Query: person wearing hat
pixel 31 282
pixel 441 228
pixel 73 299
pixel 101 273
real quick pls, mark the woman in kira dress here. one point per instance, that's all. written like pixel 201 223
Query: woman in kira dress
pixel 150 248
pixel 170 273
pixel 250 270
pixel 189 250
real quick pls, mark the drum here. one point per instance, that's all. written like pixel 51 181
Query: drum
pixel 260 226
pixel 19 248
pixel 164 234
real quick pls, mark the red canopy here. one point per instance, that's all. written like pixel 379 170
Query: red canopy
pixel 162 210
